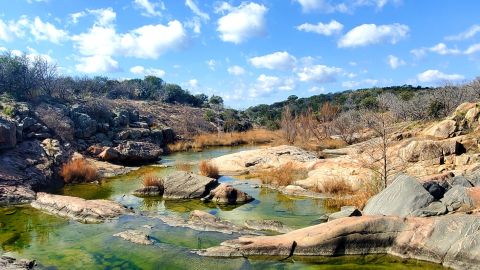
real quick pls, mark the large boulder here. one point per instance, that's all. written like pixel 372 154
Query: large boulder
pixel 459 196
pixel 401 198
pixel 138 152
pixel 87 211
pixel 450 240
pixel 227 194
pixel 85 126
pixel 8 133
pixel 184 185
pixel 345 211
pixel 267 225
pixel 427 149
pixel 442 130
pixel 434 209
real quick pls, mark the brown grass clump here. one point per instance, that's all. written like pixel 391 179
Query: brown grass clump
pixel 359 199
pixel 184 166
pixel 337 186
pixel 256 136
pixel 208 169
pixel 282 176
pixel 78 171
pixel 151 180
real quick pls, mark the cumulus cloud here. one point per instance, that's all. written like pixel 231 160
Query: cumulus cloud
pixel 47 31
pixel 39 29
pixel 242 22
pixel 319 74
pixel 193 83
pixel 276 60
pixel 196 10
pixel 469 33
pixel 97 63
pixel 435 76
pixel 395 62
pixel 347 6
pixel 328 29
pixel 368 34
pixel 140 70
pixel 75 17
pixel 266 85
pixel 236 70
pixel 105 16
pixel 442 49
pixel 356 84
pixel 150 9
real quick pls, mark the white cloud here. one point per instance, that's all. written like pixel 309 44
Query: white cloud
pixel 333 27
pixel 367 34
pixel 268 84
pixel 150 9
pixel 355 84
pixel 433 75
pixel 193 83
pixel 105 16
pixel 74 17
pixel 395 62
pixel 318 74
pixel 316 89
pixel 276 60
pixel 347 6
pixel 469 33
pixel 236 70
pixel 473 49
pixel 442 49
pixel 140 70
pixel 33 54
pixel 47 31
pixel 211 64
pixel 195 24
pixel 195 9
pixel 97 64
pixel 242 22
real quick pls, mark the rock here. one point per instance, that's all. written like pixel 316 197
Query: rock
pixel 267 225
pixel 457 197
pixel 271 157
pixel 109 154
pixel 460 181
pixel 135 236
pixel 450 240
pixel 227 194
pixel 442 130
pixel 9 263
pixel 433 209
pixel 151 191
pixel 15 195
pixel 472 116
pixel 168 135
pixel 8 133
pixel 427 149
pixel 95 150
pixel 85 126
pixel 138 152
pixel 435 189
pixel 54 150
pixel 184 185
pixel 139 125
pixel 87 211
pixel 401 198
pixel 345 211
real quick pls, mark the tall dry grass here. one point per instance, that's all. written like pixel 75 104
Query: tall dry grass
pixel 208 169
pixel 282 176
pixel 359 199
pixel 335 186
pixel 255 136
pixel 151 180
pixel 78 171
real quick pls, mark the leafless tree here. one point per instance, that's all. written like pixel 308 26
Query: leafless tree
pixel 289 125
pixel 348 126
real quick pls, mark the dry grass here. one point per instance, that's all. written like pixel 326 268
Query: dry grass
pixel 151 180
pixel 208 169
pixel 256 136
pixel 78 171
pixel 335 186
pixel 281 176
pixel 359 199
pixel 184 166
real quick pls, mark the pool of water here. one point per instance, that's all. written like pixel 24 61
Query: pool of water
pixel 58 243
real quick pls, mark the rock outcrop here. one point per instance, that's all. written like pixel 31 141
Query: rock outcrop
pixel 345 211
pixel 401 198
pixel 184 185
pixel 8 133
pixel 442 130
pixel 267 225
pixel 448 240
pixel 87 211
pixel 227 194
pixel 15 195
pixel 10 263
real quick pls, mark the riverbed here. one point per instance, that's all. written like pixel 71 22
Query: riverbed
pixel 58 243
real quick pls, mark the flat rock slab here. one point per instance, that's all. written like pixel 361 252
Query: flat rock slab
pixel 135 236
pixel 86 211
pixel 450 240
pixel 401 198
pixel 267 225
pixel 184 185
pixel 9 263
pixel 15 195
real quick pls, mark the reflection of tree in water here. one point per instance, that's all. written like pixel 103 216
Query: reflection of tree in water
pixel 22 225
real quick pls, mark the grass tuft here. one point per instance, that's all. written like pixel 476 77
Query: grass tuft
pixel 78 171
pixel 282 176
pixel 151 180
pixel 208 169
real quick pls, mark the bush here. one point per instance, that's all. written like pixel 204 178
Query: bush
pixel 78 171
pixel 283 175
pixel 151 180
pixel 209 170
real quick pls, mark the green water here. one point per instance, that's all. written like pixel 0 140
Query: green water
pixel 57 243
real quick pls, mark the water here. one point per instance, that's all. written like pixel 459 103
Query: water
pixel 58 243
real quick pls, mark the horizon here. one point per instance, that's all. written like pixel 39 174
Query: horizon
pixel 256 52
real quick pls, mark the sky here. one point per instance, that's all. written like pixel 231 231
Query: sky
pixel 252 52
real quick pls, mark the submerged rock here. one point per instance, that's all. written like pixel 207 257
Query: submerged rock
pixel 449 240
pixel 227 194
pixel 135 236
pixel 151 191
pixel 401 198
pixel 87 211
pixel 9 263
pixel 184 185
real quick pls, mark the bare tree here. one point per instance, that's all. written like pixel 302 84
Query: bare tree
pixel 289 125
pixel 348 126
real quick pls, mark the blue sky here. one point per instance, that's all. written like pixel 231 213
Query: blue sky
pixel 252 52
